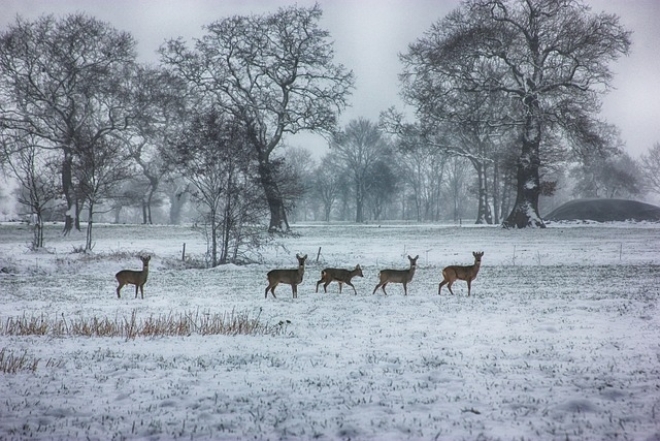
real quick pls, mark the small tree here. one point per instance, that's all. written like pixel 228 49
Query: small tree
pixel 214 154
pixel 36 171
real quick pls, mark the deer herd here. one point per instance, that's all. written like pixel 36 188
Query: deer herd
pixel 294 276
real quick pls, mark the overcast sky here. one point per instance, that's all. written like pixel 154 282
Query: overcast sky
pixel 369 35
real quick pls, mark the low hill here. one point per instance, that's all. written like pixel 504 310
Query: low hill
pixel 605 210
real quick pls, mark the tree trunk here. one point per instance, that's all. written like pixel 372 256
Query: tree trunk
pixel 278 220
pixel 67 189
pixel 88 242
pixel 483 210
pixel 525 211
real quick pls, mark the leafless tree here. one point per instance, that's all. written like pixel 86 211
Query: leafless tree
pixel 219 164
pixel 357 149
pixel 326 184
pixel 57 78
pixel 274 74
pixel 650 163
pixel 35 170
pixel 546 62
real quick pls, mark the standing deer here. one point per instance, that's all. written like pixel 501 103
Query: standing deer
pixel 397 276
pixel 137 278
pixel 339 275
pixel 291 277
pixel 456 272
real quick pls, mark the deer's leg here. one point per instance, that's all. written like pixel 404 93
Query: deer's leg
pixel 383 288
pixel 469 282
pixel 449 286
pixel 136 289
pixel 341 284
pixel 119 291
pixel 376 288
pixel 405 288
pixel 325 286
pixel 294 289
pixel 142 292
pixel 317 285
pixel 351 285
pixel 444 282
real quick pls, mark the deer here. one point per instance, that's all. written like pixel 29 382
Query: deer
pixel 131 277
pixel 397 276
pixel 291 277
pixel 455 272
pixel 339 275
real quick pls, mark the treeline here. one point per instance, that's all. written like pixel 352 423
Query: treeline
pixel 504 98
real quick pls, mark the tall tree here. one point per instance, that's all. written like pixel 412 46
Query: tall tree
pixel 274 74
pixel 546 62
pixel 56 80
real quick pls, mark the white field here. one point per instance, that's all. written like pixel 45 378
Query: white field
pixel 560 339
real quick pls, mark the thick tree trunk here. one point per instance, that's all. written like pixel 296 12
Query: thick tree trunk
pixel 525 211
pixel 278 220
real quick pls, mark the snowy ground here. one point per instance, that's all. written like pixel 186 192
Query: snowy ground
pixel 559 340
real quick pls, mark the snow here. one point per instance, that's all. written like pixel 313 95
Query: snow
pixel 559 339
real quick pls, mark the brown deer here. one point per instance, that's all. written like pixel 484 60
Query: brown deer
pixel 456 272
pixel 291 277
pixel 339 275
pixel 137 278
pixel 397 276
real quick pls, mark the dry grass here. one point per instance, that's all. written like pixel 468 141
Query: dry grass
pixel 131 327
pixel 10 363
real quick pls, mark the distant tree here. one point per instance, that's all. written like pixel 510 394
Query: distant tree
pixel 100 169
pixel 542 64
pixel 358 148
pixel 157 99
pixel 650 164
pixel 383 184
pixel 58 80
pixel 295 176
pixel 275 75
pixel 36 172
pixel 615 177
pixel 326 184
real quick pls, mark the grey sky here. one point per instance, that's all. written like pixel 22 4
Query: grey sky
pixel 369 35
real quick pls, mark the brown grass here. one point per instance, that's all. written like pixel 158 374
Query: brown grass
pixel 131 327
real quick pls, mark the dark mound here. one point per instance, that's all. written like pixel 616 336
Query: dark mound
pixel 605 210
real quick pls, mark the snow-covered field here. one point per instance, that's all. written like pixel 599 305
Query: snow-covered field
pixel 559 340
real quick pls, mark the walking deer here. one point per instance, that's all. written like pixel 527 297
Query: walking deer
pixel 397 276
pixel 291 277
pixel 137 278
pixel 338 275
pixel 455 272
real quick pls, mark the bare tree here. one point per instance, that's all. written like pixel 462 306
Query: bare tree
pixel 55 79
pixel 326 184
pixel 650 163
pixel 35 170
pixel 358 148
pixel 275 74
pixel 546 62
pixel 214 152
